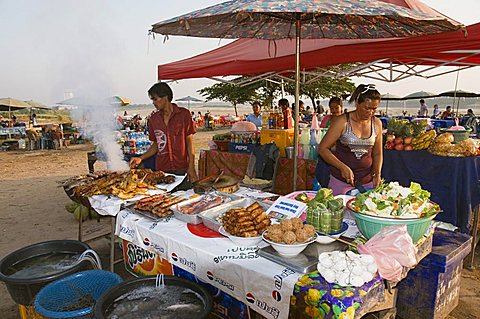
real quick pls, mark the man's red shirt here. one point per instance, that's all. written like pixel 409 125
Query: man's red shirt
pixel 171 139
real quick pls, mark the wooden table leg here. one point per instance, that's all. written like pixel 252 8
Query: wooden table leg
pixel 476 213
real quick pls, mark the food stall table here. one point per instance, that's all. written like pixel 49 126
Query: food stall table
pixel 235 164
pixel 270 289
pixel 452 181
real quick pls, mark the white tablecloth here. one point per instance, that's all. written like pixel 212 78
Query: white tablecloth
pixel 263 285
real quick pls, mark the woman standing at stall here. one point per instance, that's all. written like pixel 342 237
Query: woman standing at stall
pixel 357 136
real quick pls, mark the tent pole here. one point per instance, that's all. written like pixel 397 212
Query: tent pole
pixel 297 101
pixel 455 92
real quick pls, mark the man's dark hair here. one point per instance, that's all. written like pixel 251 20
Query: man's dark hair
pixel 422 101
pixel 283 102
pixel 161 89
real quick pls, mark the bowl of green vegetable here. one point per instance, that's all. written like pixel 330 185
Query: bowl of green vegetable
pixel 392 204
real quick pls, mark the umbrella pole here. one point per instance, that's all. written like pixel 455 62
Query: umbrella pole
pixel 455 92
pixel 386 109
pixel 297 104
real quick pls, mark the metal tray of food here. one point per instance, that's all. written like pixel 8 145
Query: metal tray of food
pixel 147 214
pixel 211 218
pixel 194 218
pixel 306 261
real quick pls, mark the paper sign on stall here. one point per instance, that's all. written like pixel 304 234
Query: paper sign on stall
pixel 285 208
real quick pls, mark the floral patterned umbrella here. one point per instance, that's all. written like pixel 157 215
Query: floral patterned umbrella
pixel 308 19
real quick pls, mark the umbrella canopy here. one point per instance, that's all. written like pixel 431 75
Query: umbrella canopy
pixel 9 104
pixel 87 101
pixel 459 93
pixel 308 19
pixel 276 19
pixel 37 105
pixel 119 100
pixel 188 99
pixel 419 95
pixel 390 97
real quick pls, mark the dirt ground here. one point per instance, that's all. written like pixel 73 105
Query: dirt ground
pixel 33 211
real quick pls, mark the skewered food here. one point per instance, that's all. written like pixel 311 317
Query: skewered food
pixel 159 205
pixel 290 231
pixel 246 222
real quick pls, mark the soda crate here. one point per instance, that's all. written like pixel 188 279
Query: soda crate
pixel 281 138
pixel 431 290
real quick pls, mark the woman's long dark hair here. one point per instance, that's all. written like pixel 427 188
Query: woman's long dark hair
pixel 363 92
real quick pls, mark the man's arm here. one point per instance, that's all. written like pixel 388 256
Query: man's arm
pixel 192 173
pixel 152 150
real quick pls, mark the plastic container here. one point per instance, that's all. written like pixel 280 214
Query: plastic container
pixel 458 135
pixel 24 290
pixel 281 138
pixel 110 296
pixel 431 290
pixel 71 290
pixel 370 225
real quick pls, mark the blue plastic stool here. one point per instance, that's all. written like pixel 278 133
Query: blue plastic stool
pixel 58 295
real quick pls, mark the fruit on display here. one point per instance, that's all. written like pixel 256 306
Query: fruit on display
pixel 424 140
pixel 401 134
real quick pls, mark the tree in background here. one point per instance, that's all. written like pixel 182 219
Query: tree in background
pixel 231 93
pixel 322 87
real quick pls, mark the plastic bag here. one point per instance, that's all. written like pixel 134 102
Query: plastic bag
pixel 392 248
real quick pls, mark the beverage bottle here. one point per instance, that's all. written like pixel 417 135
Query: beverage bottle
pixel 271 123
pixel 265 115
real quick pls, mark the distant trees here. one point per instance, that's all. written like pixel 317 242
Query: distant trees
pixel 266 91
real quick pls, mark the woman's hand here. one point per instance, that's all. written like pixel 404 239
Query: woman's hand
pixel 377 180
pixel 347 175
pixel 135 161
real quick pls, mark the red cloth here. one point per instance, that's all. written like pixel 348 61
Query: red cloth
pixel 235 164
pixel 171 139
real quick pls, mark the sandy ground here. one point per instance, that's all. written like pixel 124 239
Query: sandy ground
pixel 33 211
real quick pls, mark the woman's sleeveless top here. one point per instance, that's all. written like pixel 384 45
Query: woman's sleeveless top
pixel 356 153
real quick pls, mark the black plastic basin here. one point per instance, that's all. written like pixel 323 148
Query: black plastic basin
pixel 107 299
pixel 24 290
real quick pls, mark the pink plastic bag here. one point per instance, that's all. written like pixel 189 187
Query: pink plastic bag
pixel 392 248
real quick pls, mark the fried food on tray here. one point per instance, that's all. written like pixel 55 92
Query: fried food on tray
pixel 124 185
pixel 290 231
pixel 159 205
pixel 246 222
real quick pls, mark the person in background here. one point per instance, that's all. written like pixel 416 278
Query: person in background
pixel 319 108
pixel 34 119
pixel 308 111
pixel 256 116
pixel 125 113
pixel 447 113
pixel 171 131
pixel 357 137
pixel 436 111
pixel 335 105
pixel 14 121
pixel 423 111
pixel 287 113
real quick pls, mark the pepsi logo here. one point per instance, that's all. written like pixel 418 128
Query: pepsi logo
pixel 250 298
pixel 276 295
pixel 174 257
pixel 209 275
pixel 146 241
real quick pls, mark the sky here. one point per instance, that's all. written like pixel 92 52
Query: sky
pixel 51 48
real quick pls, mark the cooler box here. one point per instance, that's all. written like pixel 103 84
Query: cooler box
pixel 281 138
pixel 431 290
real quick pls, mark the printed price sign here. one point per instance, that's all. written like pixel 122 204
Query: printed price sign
pixel 285 208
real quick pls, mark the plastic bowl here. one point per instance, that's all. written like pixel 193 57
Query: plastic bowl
pixel 291 250
pixel 241 241
pixel 322 239
pixel 370 225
